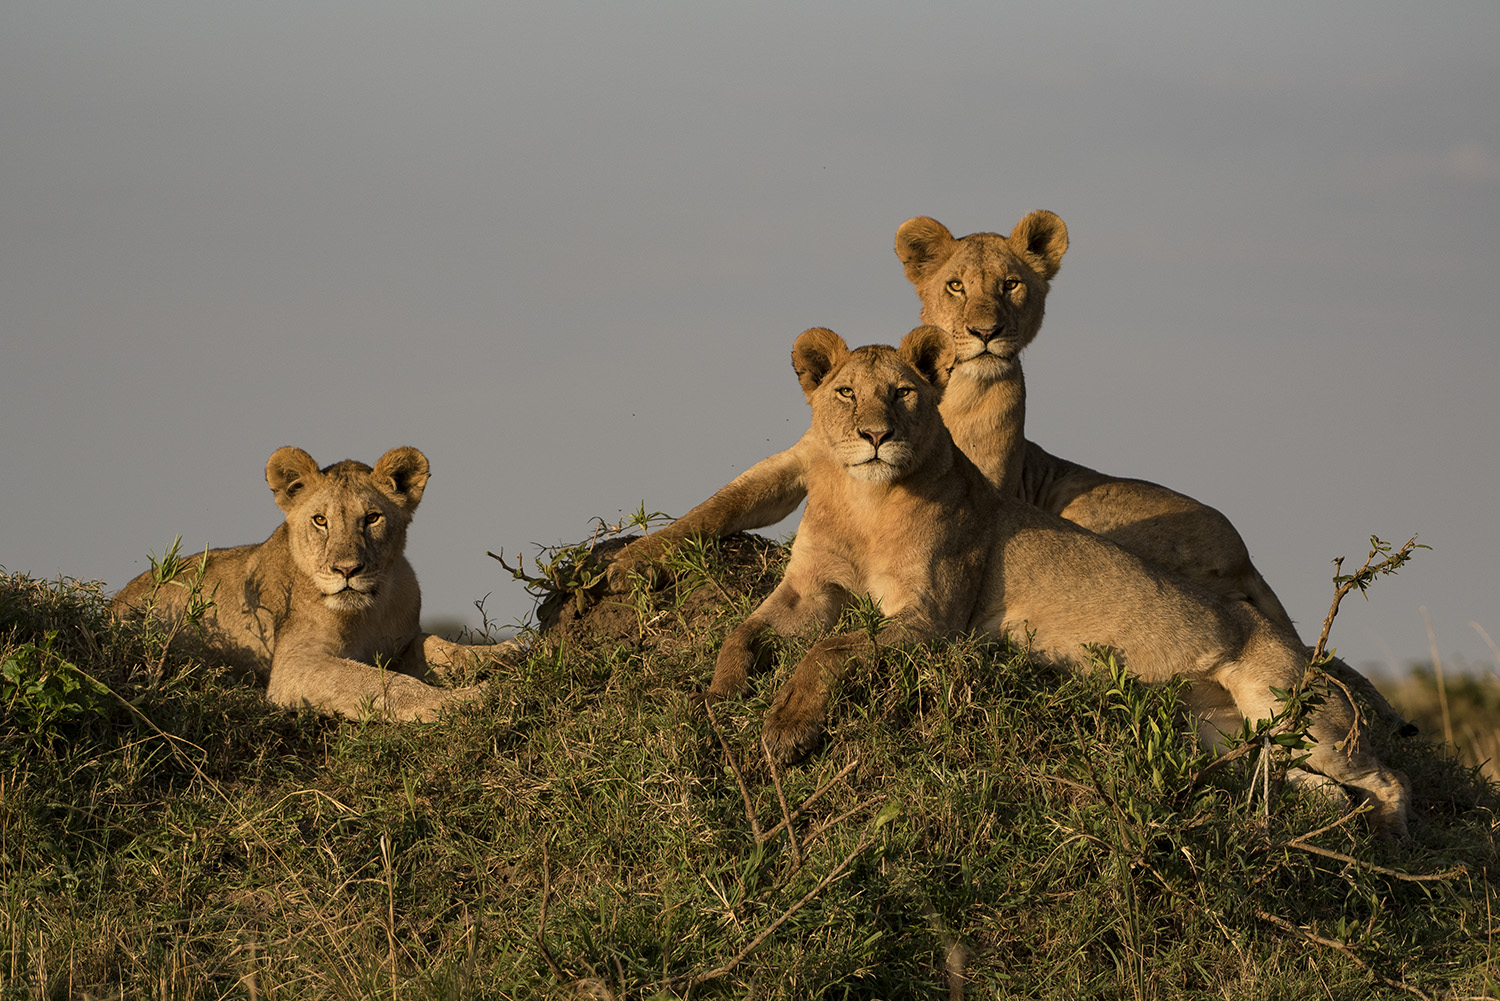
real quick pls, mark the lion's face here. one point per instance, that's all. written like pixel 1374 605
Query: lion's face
pixel 987 290
pixel 347 522
pixel 875 409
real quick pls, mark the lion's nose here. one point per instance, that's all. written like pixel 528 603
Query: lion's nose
pixel 348 569
pixel 984 334
pixel 875 435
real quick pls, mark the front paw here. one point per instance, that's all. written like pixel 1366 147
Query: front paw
pixel 637 562
pixel 790 735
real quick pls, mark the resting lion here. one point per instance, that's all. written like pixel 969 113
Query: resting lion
pixel 989 291
pixel 897 511
pixel 326 609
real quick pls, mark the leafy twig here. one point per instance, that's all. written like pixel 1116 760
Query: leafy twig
pixel 1361 579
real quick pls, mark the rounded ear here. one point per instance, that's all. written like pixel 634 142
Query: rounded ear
pixel 288 471
pixel 402 473
pixel 922 244
pixel 1042 237
pixel 817 352
pixel 930 351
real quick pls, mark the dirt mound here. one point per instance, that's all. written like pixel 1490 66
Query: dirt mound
pixel 709 588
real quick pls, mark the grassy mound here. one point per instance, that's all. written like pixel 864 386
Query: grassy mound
pixel 974 826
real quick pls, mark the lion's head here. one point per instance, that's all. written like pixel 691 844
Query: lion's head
pixel 875 408
pixel 346 523
pixel 987 290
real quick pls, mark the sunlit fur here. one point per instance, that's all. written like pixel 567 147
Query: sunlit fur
pixel 327 608
pixel 943 553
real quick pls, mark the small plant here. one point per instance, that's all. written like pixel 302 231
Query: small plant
pixel 43 691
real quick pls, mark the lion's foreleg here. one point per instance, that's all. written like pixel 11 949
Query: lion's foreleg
pixel 787 610
pixel 350 688
pixel 762 495
pixel 795 721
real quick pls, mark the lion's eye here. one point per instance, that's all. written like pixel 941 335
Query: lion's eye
pixel 1010 284
pixel 902 392
pixel 320 521
pixel 955 286
pixel 373 518
pixel 845 392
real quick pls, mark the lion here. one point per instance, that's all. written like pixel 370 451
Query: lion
pixel 325 611
pixel 898 512
pixel 989 292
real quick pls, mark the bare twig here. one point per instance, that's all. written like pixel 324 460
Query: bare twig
pixel 853 764
pixel 856 808
pixel 1308 936
pixel 1233 754
pixel 1302 843
pixel 791 830
pixel 734 766
pixel 769 930
pixel 541 921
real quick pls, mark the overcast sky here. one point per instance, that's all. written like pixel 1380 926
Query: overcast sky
pixel 565 248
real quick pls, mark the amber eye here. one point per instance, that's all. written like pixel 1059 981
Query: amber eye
pixel 955 286
pixel 902 392
pixel 845 392
pixel 1010 284
pixel 320 521
pixel 373 518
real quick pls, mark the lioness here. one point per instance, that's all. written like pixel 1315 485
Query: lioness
pixel 897 511
pixel 326 609
pixel 989 292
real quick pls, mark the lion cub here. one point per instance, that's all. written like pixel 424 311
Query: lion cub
pixel 326 609
pixel 896 510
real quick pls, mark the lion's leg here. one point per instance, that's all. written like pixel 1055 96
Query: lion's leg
pixel 356 690
pixel 794 723
pixel 787 610
pixel 762 495
pixel 1268 660
pixel 433 656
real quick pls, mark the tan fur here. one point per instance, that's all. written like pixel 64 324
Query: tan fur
pixel 897 511
pixel 988 291
pixel 327 608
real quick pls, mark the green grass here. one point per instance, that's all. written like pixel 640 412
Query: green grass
pixel 974 826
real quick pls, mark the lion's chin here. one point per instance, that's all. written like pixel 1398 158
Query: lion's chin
pixel 349 600
pixel 876 471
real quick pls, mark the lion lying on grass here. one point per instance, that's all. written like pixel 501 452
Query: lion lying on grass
pixel 896 510
pixel 327 608
pixel 989 292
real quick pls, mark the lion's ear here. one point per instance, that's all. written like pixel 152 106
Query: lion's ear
pixel 402 473
pixel 922 243
pixel 817 352
pixel 1042 237
pixel 930 351
pixel 288 471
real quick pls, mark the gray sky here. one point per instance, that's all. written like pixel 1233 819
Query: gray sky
pixel 564 249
